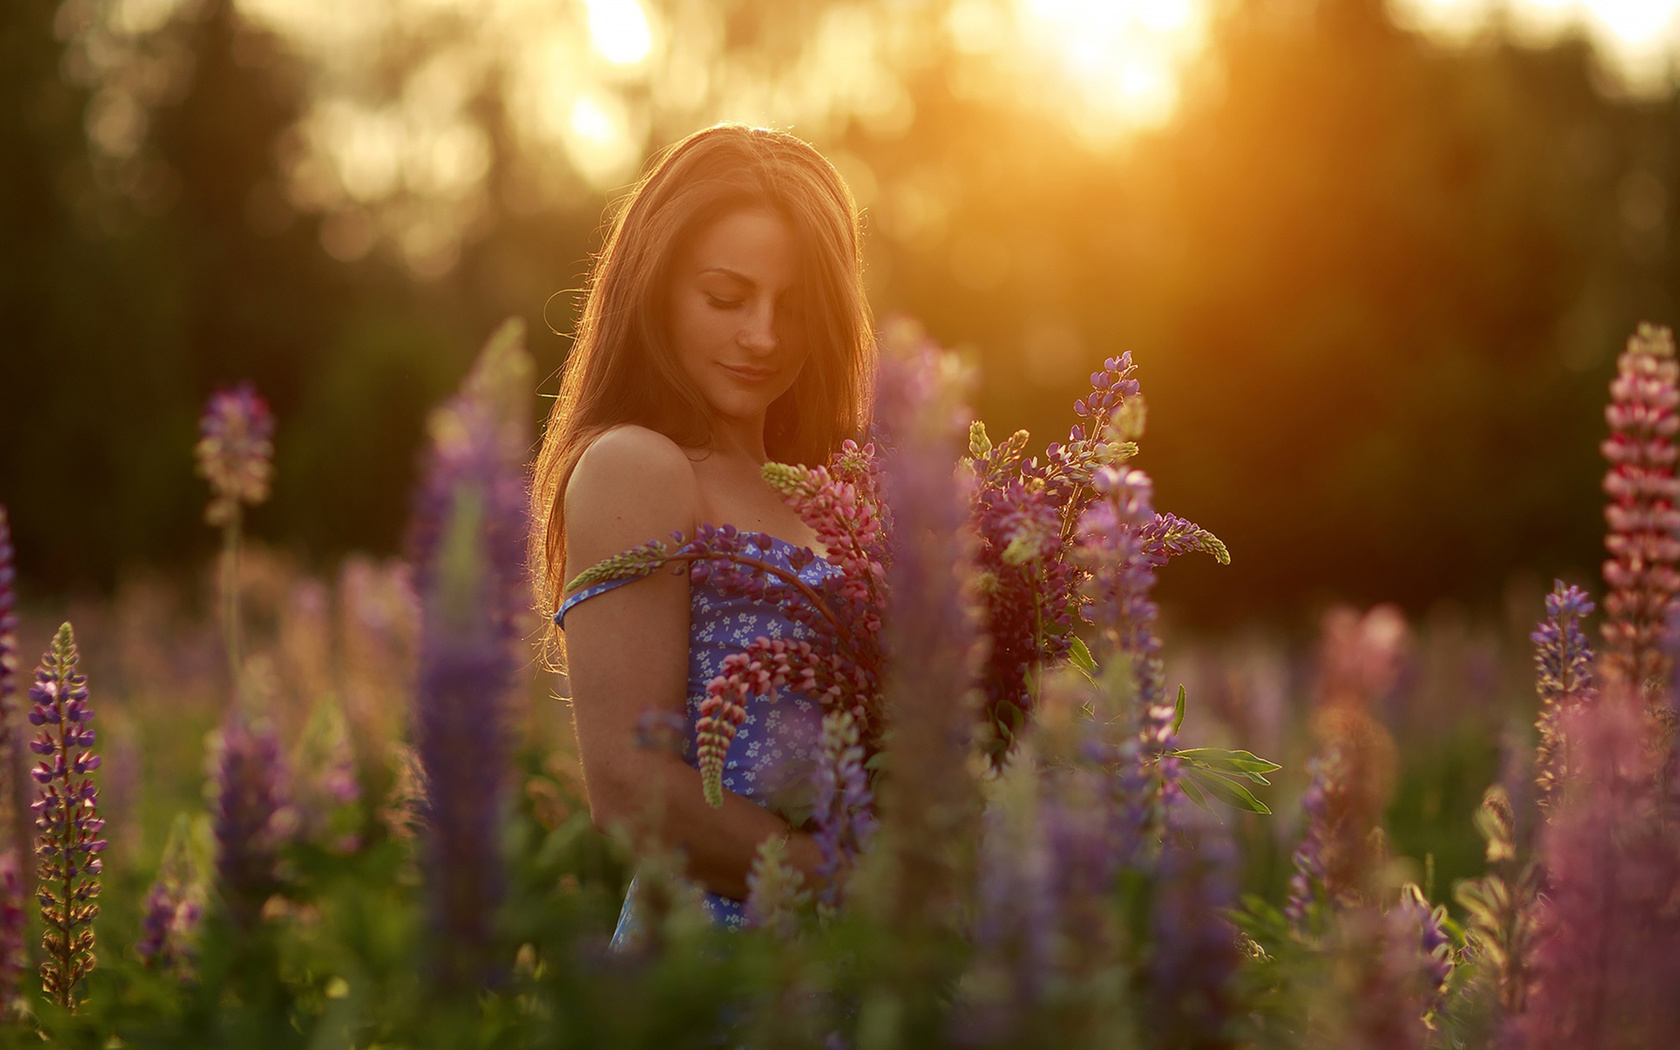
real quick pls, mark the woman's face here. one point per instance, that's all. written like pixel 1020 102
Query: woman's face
pixel 734 312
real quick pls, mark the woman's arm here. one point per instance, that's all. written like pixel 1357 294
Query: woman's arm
pixel 627 653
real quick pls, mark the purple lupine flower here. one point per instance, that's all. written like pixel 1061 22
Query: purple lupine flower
pixel 1434 943
pixel 467 545
pixel 1122 576
pixel 8 661
pixel 1641 514
pixel 251 814
pixel 1015 923
pixel 1564 680
pixel 1193 956
pixel 14 924
pixel 842 805
pixel 1027 587
pixel 930 636
pixel 1609 932
pixel 67 822
pixel 235 446
pixel 1307 881
pixel 10 816
pixel 170 915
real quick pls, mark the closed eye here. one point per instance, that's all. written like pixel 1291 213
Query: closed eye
pixel 722 304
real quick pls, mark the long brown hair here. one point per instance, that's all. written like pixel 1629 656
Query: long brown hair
pixel 621 369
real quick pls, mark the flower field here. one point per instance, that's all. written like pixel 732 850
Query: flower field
pixel 266 809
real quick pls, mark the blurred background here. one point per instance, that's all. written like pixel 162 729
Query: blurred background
pixel 1375 260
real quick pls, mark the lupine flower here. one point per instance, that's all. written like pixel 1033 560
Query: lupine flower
pixel 235 445
pixel 1501 905
pixel 1609 931
pixel 251 814
pixel 8 680
pixel 1434 943
pixel 1381 990
pixel 1307 882
pixel 931 633
pixel 1193 954
pixel 1122 576
pixel 172 909
pixel 842 805
pixel 8 659
pixel 14 924
pixel 1641 514
pixel 467 544
pixel 1016 923
pixel 1564 680
pixel 775 890
pixel 1352 775
pixel 67 846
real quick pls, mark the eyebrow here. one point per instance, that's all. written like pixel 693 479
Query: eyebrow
pixel 732 274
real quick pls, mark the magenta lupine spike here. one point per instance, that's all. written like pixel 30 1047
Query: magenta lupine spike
pixel 766 665
pixel 467 544
pixel 1641 515
pixel 251 814
pixel 14 924
pixel 235 446
pixel 842 806
pixel 1609 932
pixel 67 823
pixel 1563 678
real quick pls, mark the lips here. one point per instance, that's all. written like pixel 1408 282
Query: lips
pixel 750 375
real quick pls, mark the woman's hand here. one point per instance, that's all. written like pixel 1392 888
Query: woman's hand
pixel 627 655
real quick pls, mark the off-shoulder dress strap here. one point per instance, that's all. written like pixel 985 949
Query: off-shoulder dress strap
pixel 587 593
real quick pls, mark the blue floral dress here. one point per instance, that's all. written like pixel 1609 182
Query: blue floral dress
pixel 774 747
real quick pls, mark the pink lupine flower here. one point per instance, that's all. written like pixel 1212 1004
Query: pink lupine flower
pixel 1642 515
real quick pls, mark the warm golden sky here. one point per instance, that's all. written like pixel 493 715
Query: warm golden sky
pixel 583 74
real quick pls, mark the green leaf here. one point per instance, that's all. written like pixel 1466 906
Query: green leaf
pixel 1228 763
pixel 1178 709
pixel 1194 794
pixel 1080 655
pixel 1229 792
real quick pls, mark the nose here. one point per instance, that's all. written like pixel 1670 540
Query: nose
pixel 758 333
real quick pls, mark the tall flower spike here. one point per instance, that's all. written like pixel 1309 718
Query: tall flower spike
pixel 235 445
pixel 467 544
pixel 1564 680
pixel 67 846
pixel 1641 514
pixel 1608 945
pixel 14 924
pixel 252 814
pixel 842 805
pixel 12 829
pixel 930 640
pixel 172 908
pixel 1123 574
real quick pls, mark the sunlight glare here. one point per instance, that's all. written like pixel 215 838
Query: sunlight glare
pixel 1125 57
pixel 619 30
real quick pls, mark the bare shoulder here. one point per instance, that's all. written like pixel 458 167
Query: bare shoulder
pixel 630 485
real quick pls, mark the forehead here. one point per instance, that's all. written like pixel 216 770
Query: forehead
pixel 755 244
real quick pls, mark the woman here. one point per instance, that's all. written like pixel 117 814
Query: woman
pixel 725 327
